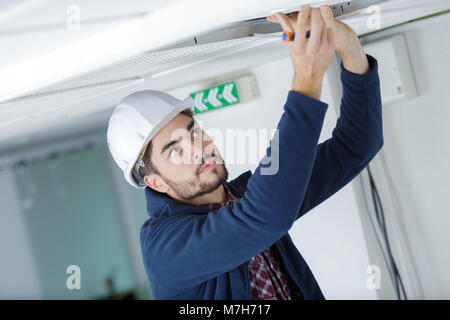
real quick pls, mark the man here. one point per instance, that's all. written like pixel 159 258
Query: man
pixel 207 238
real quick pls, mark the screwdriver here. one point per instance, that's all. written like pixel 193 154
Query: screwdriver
pixel 290 36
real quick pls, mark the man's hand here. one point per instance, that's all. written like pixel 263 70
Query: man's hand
pixel 346 39
pixel 311 56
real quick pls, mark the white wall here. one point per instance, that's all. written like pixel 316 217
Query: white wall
pixel 413 168
pixel 329 236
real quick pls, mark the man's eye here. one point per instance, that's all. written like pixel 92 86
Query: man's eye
pixel 175 151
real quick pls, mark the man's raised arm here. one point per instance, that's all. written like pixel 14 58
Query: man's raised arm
pixel 358 134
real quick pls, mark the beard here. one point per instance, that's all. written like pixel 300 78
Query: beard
pixel 193 187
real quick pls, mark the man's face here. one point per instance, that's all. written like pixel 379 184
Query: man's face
pixel 187 160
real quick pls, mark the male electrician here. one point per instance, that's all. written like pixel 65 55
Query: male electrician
pixel 207 238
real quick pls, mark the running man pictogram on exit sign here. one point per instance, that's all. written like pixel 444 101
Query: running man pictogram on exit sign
pixel 216 97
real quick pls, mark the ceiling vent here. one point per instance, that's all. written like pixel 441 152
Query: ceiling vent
pixel 213 44
pixel 198 49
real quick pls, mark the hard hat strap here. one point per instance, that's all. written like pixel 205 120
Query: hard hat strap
pixel 140 161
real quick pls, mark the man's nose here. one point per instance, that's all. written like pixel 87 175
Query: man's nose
pixel 197 151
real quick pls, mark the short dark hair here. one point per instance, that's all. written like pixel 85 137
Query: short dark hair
pixel 149 166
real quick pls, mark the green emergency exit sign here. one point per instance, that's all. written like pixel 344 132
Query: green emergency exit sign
pixel 216 97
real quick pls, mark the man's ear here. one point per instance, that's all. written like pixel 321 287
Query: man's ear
pixel 155 182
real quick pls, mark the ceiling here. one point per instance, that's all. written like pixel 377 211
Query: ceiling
pixel 58 82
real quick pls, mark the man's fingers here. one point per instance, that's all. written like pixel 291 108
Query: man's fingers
pixel 291 16
pixel 302 25
pixel 284 21
pixel 327 15
pixel 317 26
pixel 304 19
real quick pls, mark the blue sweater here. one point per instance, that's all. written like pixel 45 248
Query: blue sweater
pixel 190 252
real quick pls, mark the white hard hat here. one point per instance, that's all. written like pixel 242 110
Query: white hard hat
pixel 135 121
